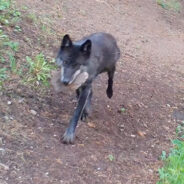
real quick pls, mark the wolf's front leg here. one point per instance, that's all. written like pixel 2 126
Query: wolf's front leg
pixel 69 135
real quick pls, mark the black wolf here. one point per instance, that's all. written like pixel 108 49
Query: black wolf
pixel 93 54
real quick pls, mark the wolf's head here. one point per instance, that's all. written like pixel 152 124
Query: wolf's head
pixel 71 57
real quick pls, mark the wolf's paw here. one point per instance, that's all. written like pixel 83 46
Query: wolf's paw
pixel 109 92
pixel 68 137
pixel 84 116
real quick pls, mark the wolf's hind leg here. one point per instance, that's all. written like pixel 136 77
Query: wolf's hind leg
pixel 87 108
pixel 109 90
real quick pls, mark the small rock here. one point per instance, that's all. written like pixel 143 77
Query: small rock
pixel 9 102
pixel 21 100
pixel 122 127
pixel 47 173
pixel 2 151
pixel 132 135
pixel 6 167
pixel 98 168
pixel 33 112
pixel 6 118
pixel 11 118
pixel 1 140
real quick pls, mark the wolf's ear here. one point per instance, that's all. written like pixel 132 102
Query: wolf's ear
pixel 86 47
pixel 66 42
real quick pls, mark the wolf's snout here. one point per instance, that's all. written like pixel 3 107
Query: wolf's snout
pixel 65 82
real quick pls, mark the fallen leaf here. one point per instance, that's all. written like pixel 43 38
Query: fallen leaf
pixel 141 134
pixel 91 125
pixel 98 142
pixel 58 160
pixel 81 145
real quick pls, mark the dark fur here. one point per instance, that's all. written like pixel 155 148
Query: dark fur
pixel 96 53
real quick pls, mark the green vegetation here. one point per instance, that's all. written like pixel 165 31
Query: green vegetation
pixel 43 23
pixel 3 76
pixel 13 45
pixel 123 109
pixel 173 169
pixel 13 65
pixel 4 4
pixel 111 157
pixel 3 40
pixel 9 16
pixel 17 29
pixel 39 69
pixel 170 5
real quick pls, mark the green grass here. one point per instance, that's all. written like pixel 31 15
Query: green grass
pixel 173 170
pixel 36 71
pixel 4 4
pixel 13 45
pixel 18 29
pixel 13 64
pixel 9 16
pixel 42 23
pixel 3 39
pixel 39 69
pixel 3 73
pixel 173 5
pixel 3 76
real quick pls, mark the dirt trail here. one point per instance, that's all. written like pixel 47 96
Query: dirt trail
pixel 148 84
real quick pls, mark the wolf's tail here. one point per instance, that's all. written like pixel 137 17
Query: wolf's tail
pixel 117 53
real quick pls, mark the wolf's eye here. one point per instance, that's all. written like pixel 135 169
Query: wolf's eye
pixel 74 64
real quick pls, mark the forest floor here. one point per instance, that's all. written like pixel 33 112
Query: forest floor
pixel 115 146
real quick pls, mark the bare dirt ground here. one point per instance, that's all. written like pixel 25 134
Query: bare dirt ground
pixel 113 147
